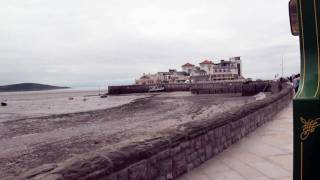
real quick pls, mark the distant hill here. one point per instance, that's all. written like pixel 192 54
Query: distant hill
pixel 28 87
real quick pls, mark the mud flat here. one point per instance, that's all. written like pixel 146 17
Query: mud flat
pixel 35 140
pixel 23 105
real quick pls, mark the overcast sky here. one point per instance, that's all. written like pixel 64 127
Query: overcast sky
pixel 86 43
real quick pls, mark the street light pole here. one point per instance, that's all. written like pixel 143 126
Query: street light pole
pixel 282 67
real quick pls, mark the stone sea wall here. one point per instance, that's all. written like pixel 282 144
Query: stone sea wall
pixel 217 88
pixel 246 89
pixel 175 153
pixel 113 90
pixel 198 88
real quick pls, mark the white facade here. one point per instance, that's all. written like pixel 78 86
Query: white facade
pixel 206 71
pixel 225 70
pixel 237 61
pixel 188 67
pixel 207 66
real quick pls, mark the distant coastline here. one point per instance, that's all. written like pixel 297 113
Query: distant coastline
pixel 29 87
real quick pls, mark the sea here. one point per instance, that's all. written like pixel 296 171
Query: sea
pixel 29 104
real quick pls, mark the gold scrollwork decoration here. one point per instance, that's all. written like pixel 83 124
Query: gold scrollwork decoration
pixel 309 127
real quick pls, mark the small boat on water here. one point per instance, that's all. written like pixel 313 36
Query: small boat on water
pixel 103 95
pixel 157 88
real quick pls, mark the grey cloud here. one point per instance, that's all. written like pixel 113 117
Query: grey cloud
pixel 91 43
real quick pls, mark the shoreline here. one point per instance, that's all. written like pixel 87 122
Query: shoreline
pixel 53 139
pixel 37 104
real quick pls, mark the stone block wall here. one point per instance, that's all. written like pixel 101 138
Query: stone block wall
pixel 113 90
pixel 128 89
pixel 247 89
pixel 217 88
pixel 171 155
pixel 177 87
pixel 252 88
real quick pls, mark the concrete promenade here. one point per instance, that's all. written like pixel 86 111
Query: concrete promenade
pixel 265 154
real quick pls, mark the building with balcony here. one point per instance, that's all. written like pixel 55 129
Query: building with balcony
pixel 206 71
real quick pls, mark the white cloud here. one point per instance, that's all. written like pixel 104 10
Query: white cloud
pixel 82 42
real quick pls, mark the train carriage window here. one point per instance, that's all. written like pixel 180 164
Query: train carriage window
pixel 293 13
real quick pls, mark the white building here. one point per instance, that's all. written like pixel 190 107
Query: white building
pixel 207 66
pixel 172 76
pixel 188 67
pixel 225 70
pixel 197 71
pixel 237 61
pixel 206 71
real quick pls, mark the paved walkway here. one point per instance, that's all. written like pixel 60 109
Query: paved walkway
pixel 265 154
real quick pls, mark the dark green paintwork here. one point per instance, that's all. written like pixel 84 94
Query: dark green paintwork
pixel 309 49
pixel 307 101
pixel 311 146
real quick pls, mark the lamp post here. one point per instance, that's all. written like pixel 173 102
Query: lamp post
pixel 282 67
pixel 304 18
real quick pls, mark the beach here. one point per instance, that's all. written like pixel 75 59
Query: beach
pixel 41 103
pixel 31 134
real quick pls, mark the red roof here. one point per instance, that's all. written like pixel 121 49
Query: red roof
pixel 207 62
pixel 188 65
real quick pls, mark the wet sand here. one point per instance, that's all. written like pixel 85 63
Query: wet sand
pixel 23 105
pixel 32 141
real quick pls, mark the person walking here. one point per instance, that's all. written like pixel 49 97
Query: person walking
pixel 296 82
